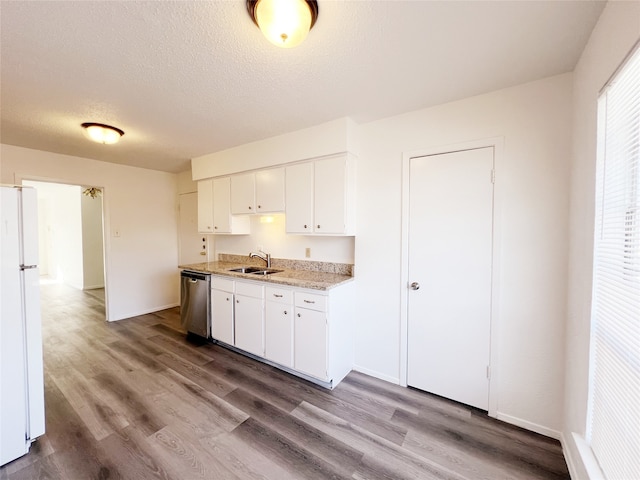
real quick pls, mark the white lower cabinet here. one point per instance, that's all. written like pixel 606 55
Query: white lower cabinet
pixel 222 310
pixel 279 326
pixel 305 331
pixel 249 317
pixel 310 342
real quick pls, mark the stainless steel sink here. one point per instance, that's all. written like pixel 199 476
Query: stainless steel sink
pixel 255 270
pixel 266 272
pixel 246 269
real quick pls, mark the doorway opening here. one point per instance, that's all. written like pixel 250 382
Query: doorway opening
pixel 71 238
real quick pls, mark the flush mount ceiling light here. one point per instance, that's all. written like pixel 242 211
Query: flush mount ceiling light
pixel 285 23
pixel 101 133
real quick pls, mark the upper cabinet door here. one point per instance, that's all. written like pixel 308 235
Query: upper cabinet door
pixel 299 198
pixel 330 196
pixel 205 206
pixel 223 221
pixel 243 198
pixel 221 205
pixel 270 190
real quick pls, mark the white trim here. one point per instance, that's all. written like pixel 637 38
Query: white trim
pixel 373 373
pixel 533 427
pixel 498 145
pixel 144 312
pixel 568 457
pixel 578 453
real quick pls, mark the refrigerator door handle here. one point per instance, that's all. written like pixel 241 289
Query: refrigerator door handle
pixel 27 267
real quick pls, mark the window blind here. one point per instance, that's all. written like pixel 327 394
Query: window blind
pixel 614 397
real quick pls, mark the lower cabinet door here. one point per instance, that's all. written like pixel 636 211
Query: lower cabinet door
pixel 222 316
pixel 310 342
pixel 249 324
pixel 279 333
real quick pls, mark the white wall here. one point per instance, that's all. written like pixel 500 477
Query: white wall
pixel 185 183
pixel 142 274
pixel 336 136
pixel 532 178
pixel 617 31
pixel 92 242
pixel 66 220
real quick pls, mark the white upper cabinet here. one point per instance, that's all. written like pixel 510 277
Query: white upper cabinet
pixel 270 190
pixel 258 192
pixel 330 196
pixel 299 198
pixel 223 220
pixel 320 197
pixel 205 206
pixel 243 194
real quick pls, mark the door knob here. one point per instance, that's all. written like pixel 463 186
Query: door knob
pixel 414 286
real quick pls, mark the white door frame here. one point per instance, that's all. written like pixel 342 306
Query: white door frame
pixel 498 148
pixel 106 241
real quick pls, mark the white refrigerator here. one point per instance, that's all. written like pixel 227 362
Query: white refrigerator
pixel 21 372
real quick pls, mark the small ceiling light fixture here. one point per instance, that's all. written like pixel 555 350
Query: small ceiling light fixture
pixel 285 23
pixel 101 133
pixel 92 192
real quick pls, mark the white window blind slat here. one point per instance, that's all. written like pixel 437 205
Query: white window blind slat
pixel 614 394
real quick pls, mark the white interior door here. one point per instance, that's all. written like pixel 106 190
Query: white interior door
pixel 450 258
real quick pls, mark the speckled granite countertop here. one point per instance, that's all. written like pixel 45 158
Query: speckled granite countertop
pixel 313 275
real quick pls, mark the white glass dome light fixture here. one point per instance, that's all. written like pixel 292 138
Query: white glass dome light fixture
pixel 101 133
pixel 285 23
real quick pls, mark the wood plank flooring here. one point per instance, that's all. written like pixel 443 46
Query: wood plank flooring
pixel 135 399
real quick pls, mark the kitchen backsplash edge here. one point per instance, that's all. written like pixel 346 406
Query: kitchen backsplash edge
pixel 306 265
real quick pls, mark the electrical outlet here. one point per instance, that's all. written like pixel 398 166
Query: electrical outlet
pixel 116 232
pixel 307 252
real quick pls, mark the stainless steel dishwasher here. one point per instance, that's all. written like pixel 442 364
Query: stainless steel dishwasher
pixel 195 302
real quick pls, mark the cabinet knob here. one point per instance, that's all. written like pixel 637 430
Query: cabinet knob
pixel 318 226
pixel 237 301
pixel 215 228
pixel 299 315
pixel 259 206
pixel 227 299
pixel 249 207
pixel 305 226
pixel 285 312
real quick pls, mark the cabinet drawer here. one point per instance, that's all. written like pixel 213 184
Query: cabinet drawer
pixel 249 289
pixel 311 301
pixel 280 295
pixel 222 284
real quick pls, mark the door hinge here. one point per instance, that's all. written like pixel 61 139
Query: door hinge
pixel 488 372
pixel 493 176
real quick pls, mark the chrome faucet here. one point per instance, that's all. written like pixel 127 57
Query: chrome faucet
pixel 264 256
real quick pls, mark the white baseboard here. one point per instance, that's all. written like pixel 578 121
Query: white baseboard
pixel 373 373
pixel 533 427
pixel 93 287
pixel 144 312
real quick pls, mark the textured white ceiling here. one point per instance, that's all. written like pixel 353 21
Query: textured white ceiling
pixel 188 78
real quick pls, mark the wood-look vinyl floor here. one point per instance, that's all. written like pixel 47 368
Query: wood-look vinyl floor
pixel 136 399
